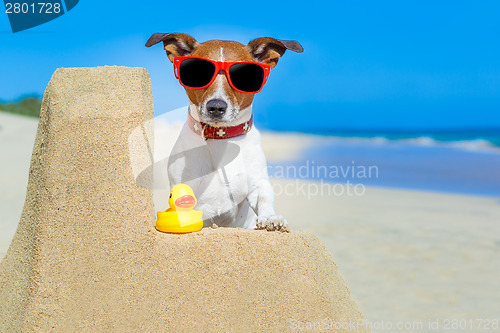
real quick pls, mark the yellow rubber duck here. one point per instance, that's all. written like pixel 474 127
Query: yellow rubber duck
pixel 180 217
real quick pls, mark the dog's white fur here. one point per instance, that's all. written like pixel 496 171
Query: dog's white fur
pixel 229 176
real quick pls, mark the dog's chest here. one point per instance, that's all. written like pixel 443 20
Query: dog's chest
pixel 219 171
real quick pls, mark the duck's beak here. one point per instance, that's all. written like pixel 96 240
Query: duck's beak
pixel 186 201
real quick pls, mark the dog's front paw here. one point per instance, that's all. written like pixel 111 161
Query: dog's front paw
pixel 272 223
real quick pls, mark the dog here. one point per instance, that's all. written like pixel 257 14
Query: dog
pixel 219 152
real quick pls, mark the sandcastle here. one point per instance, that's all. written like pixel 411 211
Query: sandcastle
pixel 86 255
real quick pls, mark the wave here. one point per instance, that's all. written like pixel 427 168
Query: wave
pixel 475 145
pixel 469 144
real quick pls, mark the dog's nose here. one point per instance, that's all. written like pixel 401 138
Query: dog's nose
pixel 216 107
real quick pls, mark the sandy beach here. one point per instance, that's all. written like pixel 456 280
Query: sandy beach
pixel 407 256
pixel 17 135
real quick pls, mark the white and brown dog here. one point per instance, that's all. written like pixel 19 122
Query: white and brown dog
pixel 218 152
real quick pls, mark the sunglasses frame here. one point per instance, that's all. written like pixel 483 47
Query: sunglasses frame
pixel 221 65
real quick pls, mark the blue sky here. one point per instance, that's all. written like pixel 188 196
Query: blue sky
pixel 367 64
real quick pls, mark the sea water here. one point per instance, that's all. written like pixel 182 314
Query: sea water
pixel 459 162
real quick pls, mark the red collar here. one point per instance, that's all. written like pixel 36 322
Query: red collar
pixel 217 133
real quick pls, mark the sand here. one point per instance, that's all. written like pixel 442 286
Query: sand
pixel 407 256
pixel 17 135
pixel 86 255
pixel 286 146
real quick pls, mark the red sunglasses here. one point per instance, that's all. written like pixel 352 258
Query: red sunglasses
pixel 246 77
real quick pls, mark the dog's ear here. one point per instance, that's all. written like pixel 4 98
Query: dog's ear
pixel 176 44
pixel 268 50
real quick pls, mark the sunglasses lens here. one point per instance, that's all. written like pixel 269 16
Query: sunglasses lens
pixel 196 73
pixel 247 77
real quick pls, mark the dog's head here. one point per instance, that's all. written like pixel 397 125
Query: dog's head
pixel 219 102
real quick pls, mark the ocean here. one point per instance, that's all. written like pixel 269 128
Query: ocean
pixel 456 161
pixel 465 162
